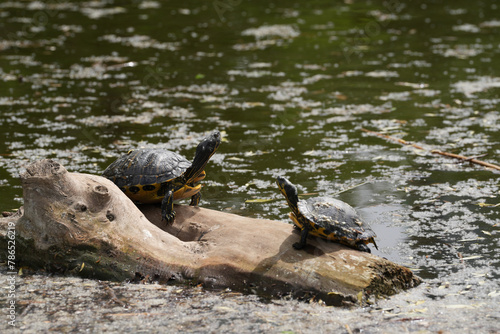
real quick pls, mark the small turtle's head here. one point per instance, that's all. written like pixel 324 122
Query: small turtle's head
pixel 289 191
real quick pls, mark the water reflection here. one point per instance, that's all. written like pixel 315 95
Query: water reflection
pixel 390 237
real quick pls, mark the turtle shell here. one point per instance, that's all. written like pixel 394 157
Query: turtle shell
pixel 140 172
pixel 335 220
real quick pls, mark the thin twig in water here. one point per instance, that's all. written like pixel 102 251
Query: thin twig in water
pixel 351 188
pixel 464 158
pixel 446 154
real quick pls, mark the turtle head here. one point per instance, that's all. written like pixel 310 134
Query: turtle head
pixel 289 191
pixel 206 148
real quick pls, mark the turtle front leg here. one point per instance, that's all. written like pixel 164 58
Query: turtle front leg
pixel 195 199
pixel 167 204
pixel 303 238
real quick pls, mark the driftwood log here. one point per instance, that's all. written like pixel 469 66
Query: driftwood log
pixel 83 224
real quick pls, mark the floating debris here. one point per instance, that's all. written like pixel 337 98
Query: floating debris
pixel 278 30
pixel 481 84
pixel 141 42
pixel 467 27
pixel 382 74
pixel 259 200
pixel 97 13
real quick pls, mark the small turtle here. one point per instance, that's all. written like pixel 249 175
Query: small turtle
pixel 156 175
pixel 327 218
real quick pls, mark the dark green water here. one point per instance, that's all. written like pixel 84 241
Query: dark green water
pixel 290 85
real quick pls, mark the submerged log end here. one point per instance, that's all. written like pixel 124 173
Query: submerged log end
pixel 390 279
pixel 386 279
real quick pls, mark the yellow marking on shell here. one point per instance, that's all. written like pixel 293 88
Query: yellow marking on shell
pixel 150 187
pixel 147 197
pixel 319 232
pixel 142 196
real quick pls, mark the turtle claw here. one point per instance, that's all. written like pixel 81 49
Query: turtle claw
pixel 363 248
pixel 169 218
pixel 298 245
pixel 303 238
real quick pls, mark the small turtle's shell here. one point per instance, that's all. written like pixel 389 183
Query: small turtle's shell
pixel 140 172
pixel 334 220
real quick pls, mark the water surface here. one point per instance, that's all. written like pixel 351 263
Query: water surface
pixel 290 85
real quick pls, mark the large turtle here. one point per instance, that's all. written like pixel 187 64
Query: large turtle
pixel 156 175
pixel 327 218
